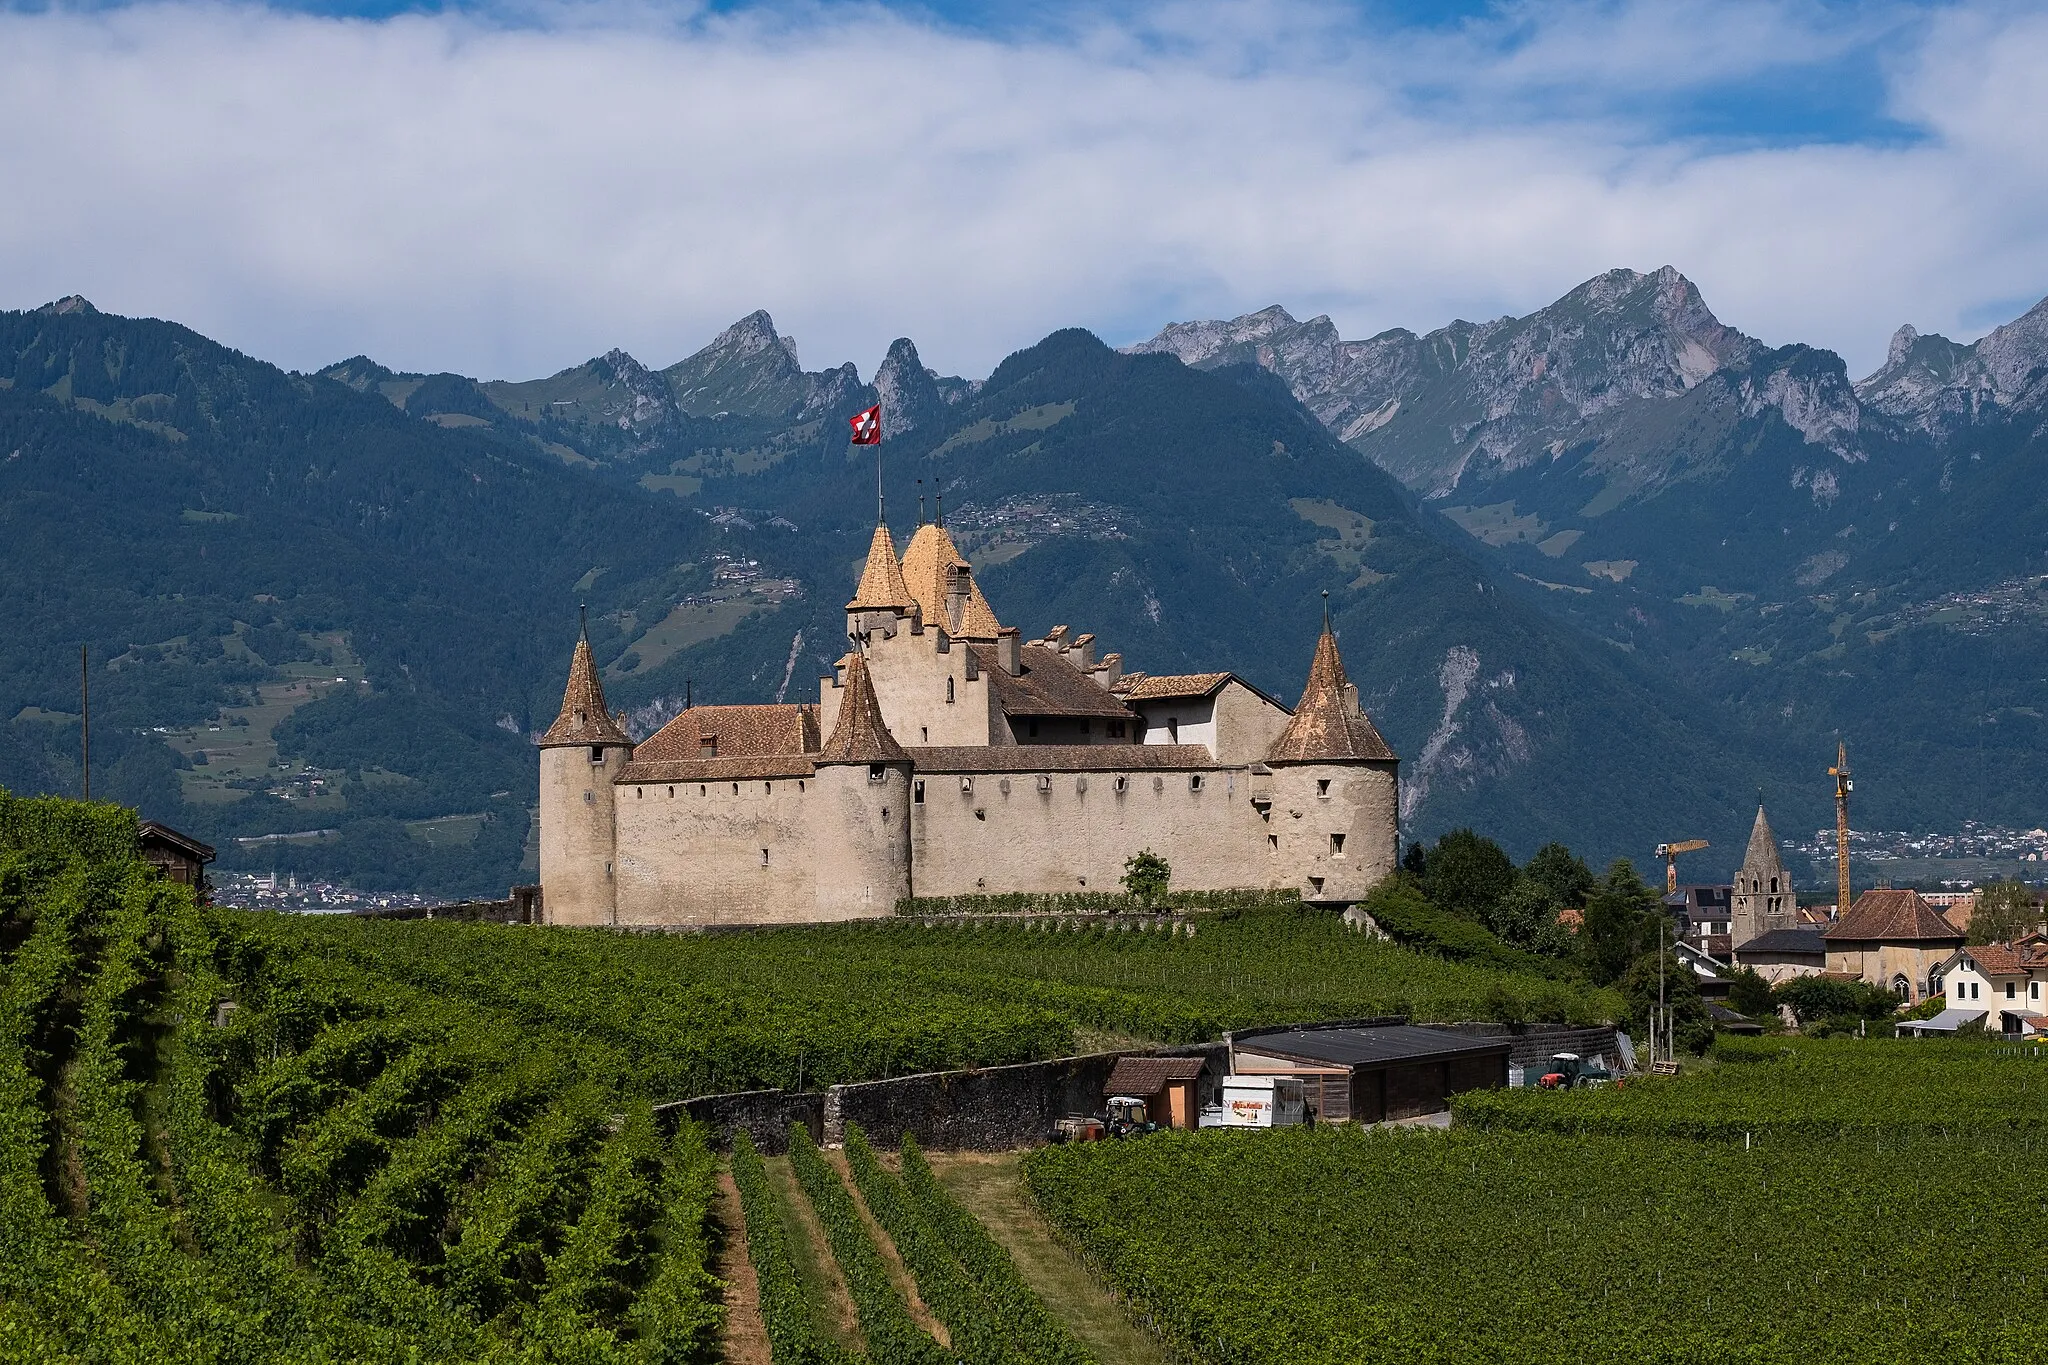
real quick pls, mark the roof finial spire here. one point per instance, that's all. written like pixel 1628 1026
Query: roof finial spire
pixel 583 619
pixel 1326 609
pixel 939 501
pixel 920 502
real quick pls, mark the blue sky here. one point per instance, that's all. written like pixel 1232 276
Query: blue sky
pixel 507 188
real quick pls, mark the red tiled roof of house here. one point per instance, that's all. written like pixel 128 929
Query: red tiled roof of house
pixel 1150 1075
pixel 733 732
pixel 1893 916
pixel 1328 725
pixel 584 719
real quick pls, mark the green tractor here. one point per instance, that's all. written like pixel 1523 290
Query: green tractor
pixel 1128 1117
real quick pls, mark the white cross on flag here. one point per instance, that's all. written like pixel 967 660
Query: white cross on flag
pixel 867 426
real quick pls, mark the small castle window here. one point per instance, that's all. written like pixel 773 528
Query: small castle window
pixel 1081 783
pixel 924 734
pixel 1315 885
pixel 1084 881
pixel 639 793
pixel 764 857
pixel 1123 783
pixel 949 691
pixel 671 793
pixel 1194 782
pixel 877 773
pixel 1336 845
pixel 703 790
pixel 597 753
pixel 767 789
pixel 980 814
pixel 1045 782
pixel 1774 883
pixel 967 786
pixel 735 789
pixel 1273 842
pixel 885 812
pixel 1322 786
pixel 917 793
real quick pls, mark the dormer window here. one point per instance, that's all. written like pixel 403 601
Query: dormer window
pixel 707 746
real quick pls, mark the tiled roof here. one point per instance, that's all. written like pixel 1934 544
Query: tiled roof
pixel 584 719
pixel 881 581
pixel 859 734
pixel 739 732
pixel 2001 959
pixel 1146 688
pixel 1046 685
pixel 1327 726
pixel 1895 916
pixel 1784 943
pixel 716 769
pixel 1150 1075
pixel 929 561
pixel 154 832
pixel 1023 760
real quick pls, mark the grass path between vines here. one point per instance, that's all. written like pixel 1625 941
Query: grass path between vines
pixel 991 1185
pixel 746 1339
pixel 899 1274
pixel 831 1305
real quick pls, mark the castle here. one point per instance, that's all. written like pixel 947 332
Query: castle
pixel 948 756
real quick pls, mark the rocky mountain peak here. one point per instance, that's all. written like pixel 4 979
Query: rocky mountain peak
pixel 909 392
pixel 751 335
pixel 2015 359
pixel 1197 343
pixel 648 401
pixel 70 303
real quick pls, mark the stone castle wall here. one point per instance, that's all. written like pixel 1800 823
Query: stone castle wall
pixel 693 852
pixel 1074 833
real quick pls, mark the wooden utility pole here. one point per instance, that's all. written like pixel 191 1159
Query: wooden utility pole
pixel 84 724
pixel 1843 786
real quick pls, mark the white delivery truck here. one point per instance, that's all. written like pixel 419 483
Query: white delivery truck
pixel 1258 1102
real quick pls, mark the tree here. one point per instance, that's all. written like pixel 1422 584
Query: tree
pixel 1690 1027
pixel 2004 912
pixel 1526 918
pixel 1146 875
pixel 1563 872
pixel 1415 861
pixel 1468 875
pixel 1623 917
pixel 1817 998
pixel 1749 993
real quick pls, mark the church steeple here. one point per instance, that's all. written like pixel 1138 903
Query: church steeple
pixel 584 718
pixel 1763 898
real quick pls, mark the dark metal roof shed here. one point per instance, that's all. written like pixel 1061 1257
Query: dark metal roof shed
pixel 1354 1047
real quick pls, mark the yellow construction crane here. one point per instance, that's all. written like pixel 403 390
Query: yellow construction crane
pixel 1843 786
pixel 1669 853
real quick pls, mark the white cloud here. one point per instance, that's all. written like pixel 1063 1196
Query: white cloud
pixel 443 192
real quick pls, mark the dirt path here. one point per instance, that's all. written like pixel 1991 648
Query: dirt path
pixel 899 1273
pixel 823 1283
pixel 746 1340
pixel 992 1188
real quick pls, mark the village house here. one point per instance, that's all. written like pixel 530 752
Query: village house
pixel 946 756
pixel 1999 983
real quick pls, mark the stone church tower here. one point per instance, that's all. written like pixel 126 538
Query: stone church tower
pixel 1763 899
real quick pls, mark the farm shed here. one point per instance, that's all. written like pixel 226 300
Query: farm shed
pixel 1169 1086
pixel 1391 1071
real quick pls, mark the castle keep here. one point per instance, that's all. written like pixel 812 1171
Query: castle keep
pixel 948 756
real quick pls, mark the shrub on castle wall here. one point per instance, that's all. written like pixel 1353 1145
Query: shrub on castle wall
pixel 1101 903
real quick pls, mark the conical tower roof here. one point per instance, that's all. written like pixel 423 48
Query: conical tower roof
pixel 881 581
pixel 1327 726
pixel 928 560
pixel 1761 859
pixel 860 735
pixel 584 718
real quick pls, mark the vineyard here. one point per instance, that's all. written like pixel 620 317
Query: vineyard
pixel 1806 1201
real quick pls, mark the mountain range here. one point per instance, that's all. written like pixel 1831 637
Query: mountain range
pixel 1600 572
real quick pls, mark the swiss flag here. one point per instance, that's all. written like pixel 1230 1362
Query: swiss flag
pixel 867 426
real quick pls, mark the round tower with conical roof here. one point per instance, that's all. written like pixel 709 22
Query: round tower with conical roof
pixel 580 756
pixel 862 809
pixel 1333 825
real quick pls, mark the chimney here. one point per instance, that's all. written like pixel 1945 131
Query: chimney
pixel 1084 650
pixel 1008 644
pixel 1111 671
pixel 1056 638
